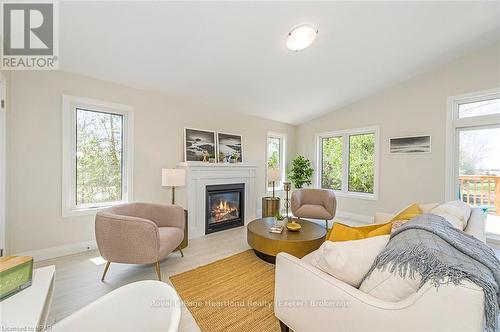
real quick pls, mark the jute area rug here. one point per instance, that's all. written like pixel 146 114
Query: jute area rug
pixel 232 294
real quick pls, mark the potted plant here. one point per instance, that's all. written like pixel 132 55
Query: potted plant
pixel 234 157
pixel 300 172
pixel 279 219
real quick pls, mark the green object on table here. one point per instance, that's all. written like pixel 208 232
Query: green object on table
pixel 485 208
pixel 16 274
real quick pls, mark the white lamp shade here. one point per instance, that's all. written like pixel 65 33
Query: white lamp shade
pixel 273 174
pixel 173 177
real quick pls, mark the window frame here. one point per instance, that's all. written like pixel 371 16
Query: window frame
pixel 454 124
pixel 69 110
pixel 345 134
pixel 282 154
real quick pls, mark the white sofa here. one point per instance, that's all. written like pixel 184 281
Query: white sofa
pixel 145 306
pixel 308 299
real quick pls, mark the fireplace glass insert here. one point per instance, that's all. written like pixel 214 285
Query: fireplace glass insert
pixel 225 207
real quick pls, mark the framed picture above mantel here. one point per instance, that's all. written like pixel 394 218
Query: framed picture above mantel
pixel 229 148
pixel 199 145
pixel 206 146
pixel 410 144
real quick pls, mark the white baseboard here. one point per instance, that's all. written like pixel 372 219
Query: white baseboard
pixel 355 217
pixel 70 249
pixel 364 219
pixel 54 252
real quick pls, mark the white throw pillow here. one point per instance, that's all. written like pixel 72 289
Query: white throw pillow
pixel 456 212
pixel 428 207
pixel 349 261
pixel 388 286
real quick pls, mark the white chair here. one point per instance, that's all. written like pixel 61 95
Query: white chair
pixel 148 305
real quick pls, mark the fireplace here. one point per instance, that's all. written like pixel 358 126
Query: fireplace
pixel 225 207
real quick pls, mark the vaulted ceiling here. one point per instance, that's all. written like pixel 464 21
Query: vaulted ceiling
pixel 233 54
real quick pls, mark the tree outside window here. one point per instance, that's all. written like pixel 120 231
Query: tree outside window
pixel 99 151
pixel 274 156
pixel 347 161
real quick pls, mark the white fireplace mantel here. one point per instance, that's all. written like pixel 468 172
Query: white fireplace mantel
pixel 200 175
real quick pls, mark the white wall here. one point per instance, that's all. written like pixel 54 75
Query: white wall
pixel 34 139
pixel 3 96
pixel 414 107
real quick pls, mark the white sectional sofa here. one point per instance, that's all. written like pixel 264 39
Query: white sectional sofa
pixel 308 299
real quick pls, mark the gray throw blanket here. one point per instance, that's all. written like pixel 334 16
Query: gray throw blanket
pixel 431 246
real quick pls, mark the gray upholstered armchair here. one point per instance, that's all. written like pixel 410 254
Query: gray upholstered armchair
pixel 139 233
pixel 314 204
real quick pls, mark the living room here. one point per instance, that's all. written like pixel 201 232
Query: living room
pixel 255 166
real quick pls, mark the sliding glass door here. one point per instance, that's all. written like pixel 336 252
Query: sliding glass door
pixel 479 172
pixel 476 155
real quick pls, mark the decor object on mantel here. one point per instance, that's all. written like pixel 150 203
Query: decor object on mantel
pixel 271 205
pixel 301 172
pixel 410 144
pixel 229 148
pixel 199 145
pixel 173 177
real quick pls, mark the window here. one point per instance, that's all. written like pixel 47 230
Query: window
pixel 275 156
pixel 97 156
pixel 479 108
pixel 473 154
pixel 331 167
pixel 348 162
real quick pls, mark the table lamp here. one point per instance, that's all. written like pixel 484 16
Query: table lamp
pixel 173 177
pixel 273 175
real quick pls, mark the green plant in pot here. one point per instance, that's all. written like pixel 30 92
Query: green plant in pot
pixel 300 172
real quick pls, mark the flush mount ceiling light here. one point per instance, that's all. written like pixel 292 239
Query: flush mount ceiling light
pixel 301 36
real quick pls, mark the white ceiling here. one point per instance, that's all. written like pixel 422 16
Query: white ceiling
pixel 233 55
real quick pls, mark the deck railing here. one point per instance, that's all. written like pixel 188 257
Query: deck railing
pixel 481 190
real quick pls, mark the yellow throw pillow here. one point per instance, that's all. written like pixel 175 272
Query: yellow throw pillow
pixel 405 215
pixel 408 212
pixel 341 232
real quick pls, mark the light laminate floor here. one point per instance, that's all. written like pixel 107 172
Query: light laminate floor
pixel 78 277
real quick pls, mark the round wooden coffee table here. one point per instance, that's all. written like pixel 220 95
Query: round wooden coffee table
pixel 267 245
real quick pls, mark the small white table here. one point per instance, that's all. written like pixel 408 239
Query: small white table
pixel 28 309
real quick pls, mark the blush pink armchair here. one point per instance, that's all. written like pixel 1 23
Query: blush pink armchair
pixel 139 233
pixel 314 204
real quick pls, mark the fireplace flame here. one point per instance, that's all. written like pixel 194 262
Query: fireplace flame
pixel 223 210
pixel 223 206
